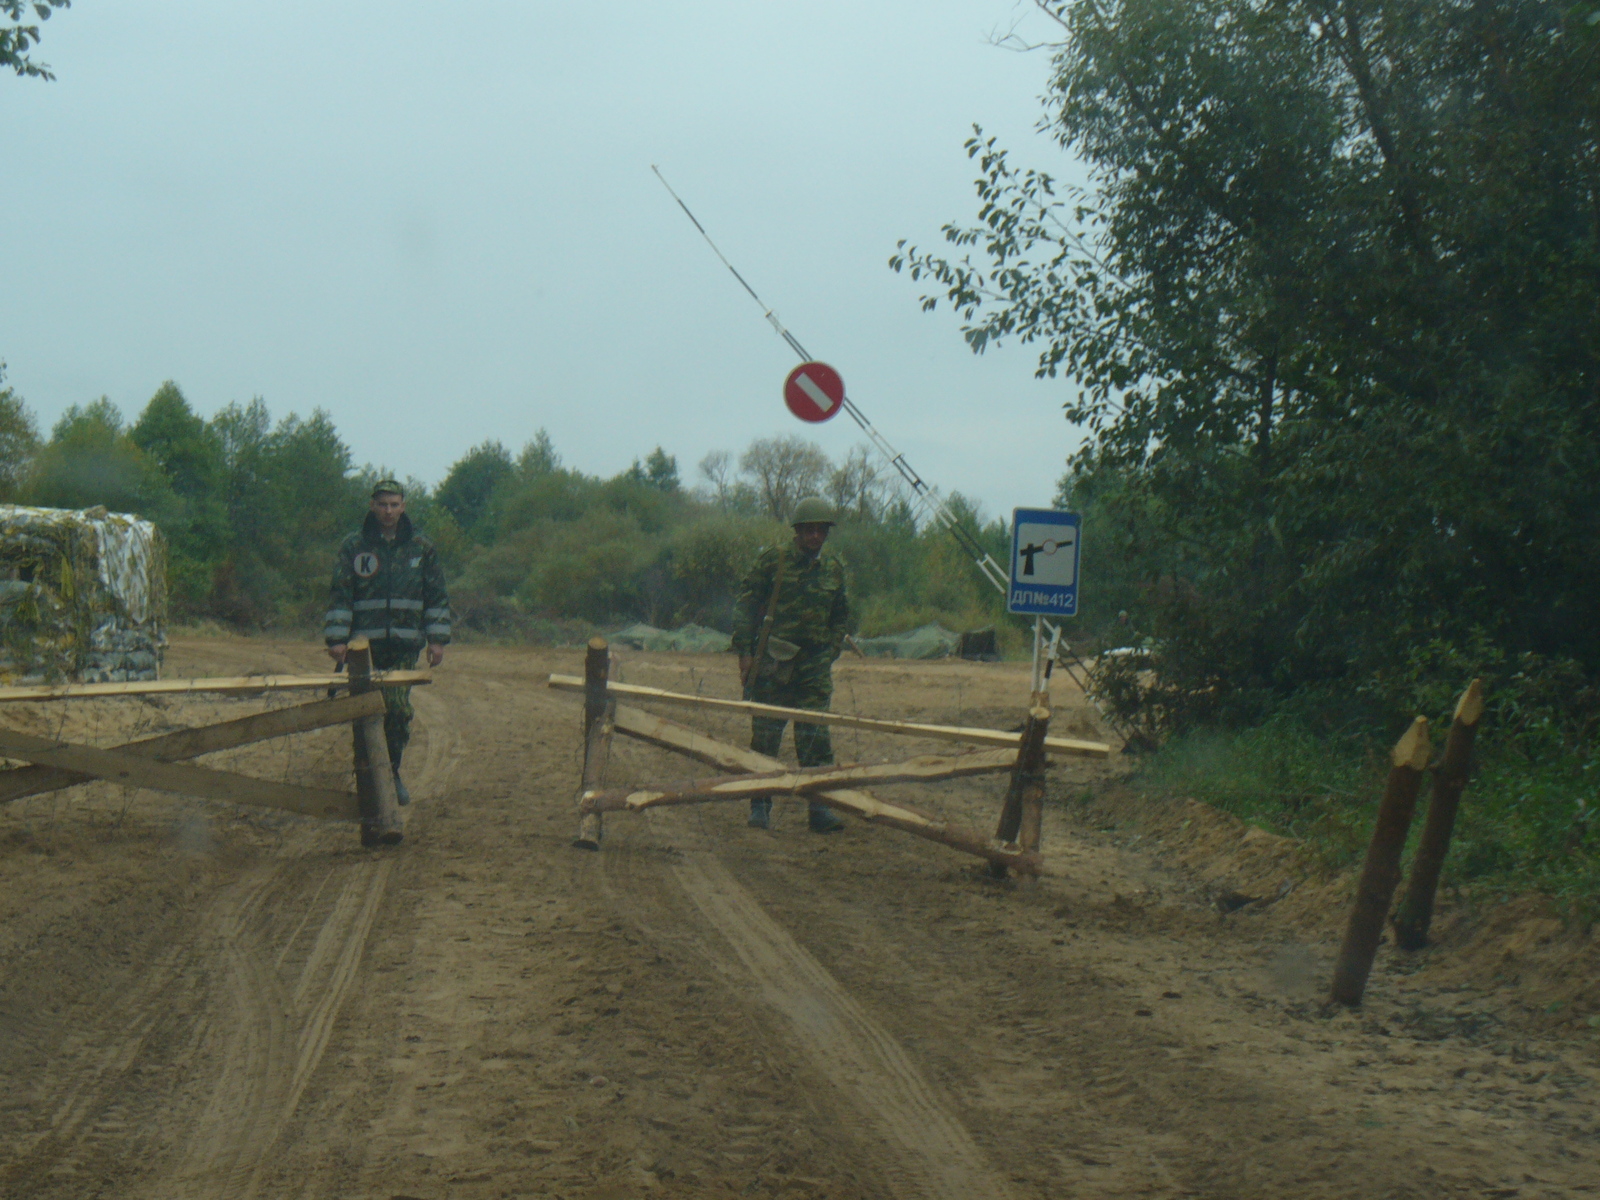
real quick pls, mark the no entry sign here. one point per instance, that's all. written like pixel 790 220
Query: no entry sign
pixel 814 392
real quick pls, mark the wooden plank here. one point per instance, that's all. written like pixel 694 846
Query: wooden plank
pixel 926 768
pixel 241 684
pixel 118 766
pixel 207 739
pixel 946 733
pixel 669 735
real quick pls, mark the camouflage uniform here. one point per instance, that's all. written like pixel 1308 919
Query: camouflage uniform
pixel 393 594
pixel 814 615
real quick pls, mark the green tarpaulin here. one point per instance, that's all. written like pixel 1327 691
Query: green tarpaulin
pixel 692 639
pixel 928 641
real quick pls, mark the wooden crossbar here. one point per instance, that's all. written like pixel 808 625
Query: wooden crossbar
pixel 669 735
pixel 207 739
pixel 119 766
pixel 924 769
pixel 241 684
pixel 946 733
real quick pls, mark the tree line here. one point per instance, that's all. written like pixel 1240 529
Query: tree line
pixel 252 508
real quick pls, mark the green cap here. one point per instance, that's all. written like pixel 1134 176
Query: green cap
pixel 390 487
pixel 813 510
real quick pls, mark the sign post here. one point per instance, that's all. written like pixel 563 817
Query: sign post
pixel 1044 570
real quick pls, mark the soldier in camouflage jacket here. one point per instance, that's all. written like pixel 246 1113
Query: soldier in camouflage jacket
pixel 388 587
pixel 806 633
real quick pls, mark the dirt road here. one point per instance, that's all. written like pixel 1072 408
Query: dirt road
pixel 203 1002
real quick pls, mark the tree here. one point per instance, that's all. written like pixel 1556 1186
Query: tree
pixel 538 457
pixel 716 468
pixel 89 461
pixel 784 469
pixel 189 455
pixel 1330 309
pixel 19 440
pixel 18 39
pixel 659 470
pixel 471 483
pixel 290 495
pixel 856 486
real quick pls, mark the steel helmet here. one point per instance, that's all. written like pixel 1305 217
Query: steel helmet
pixel 813 510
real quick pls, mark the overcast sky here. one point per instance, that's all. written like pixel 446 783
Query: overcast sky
pixel 438 222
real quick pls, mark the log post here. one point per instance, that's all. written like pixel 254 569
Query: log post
pixel 380 809
pixel 1022 814
pixel 1449 781
pixel 1380 873
pixel 599 722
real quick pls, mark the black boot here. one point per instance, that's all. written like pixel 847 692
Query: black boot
pixel 823 819
pixel 401 796
pixel 761 813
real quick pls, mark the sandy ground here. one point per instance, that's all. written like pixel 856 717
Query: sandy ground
pixel 199 1001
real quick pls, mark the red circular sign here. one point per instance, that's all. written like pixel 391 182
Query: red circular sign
pixel 814 392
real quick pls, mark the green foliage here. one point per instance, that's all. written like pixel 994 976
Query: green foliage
pixel 1330 309
pixel 17 38
pixel 19 440
pixel 659 470
pixel 90 460
pixel 471 483
pixel 1528 820
pixel 195 518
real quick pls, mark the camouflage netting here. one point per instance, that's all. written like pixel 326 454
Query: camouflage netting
pixel 83 595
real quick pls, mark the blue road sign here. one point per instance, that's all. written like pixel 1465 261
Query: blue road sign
pixel 1044 562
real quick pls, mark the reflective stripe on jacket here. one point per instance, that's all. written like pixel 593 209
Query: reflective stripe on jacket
pixel 392 590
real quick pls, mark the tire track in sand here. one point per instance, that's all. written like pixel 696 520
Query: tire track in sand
pixel 925 1150
pixel 258 1091
pixel 182 1080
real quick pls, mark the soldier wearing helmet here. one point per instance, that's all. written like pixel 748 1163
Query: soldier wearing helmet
pixel 789 624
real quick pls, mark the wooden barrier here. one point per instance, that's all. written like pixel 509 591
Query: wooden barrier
pixel 380 806
pixel 599 712
pixel 947 733
pixel 192 743
pixel 668 735
pixel 1380 873
pixel 1415 914
pixel 118 766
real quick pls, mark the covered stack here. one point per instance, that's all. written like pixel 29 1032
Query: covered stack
pixel 83 595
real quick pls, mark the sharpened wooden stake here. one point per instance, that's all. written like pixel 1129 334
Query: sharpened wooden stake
pixel 658 731
pixel 1380 873
pixel 380 807
pixel 1415 914
pixel 944 733
pixel 1022 814
pixel 599 713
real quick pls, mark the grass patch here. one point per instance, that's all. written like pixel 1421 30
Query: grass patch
pixel 1530 820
